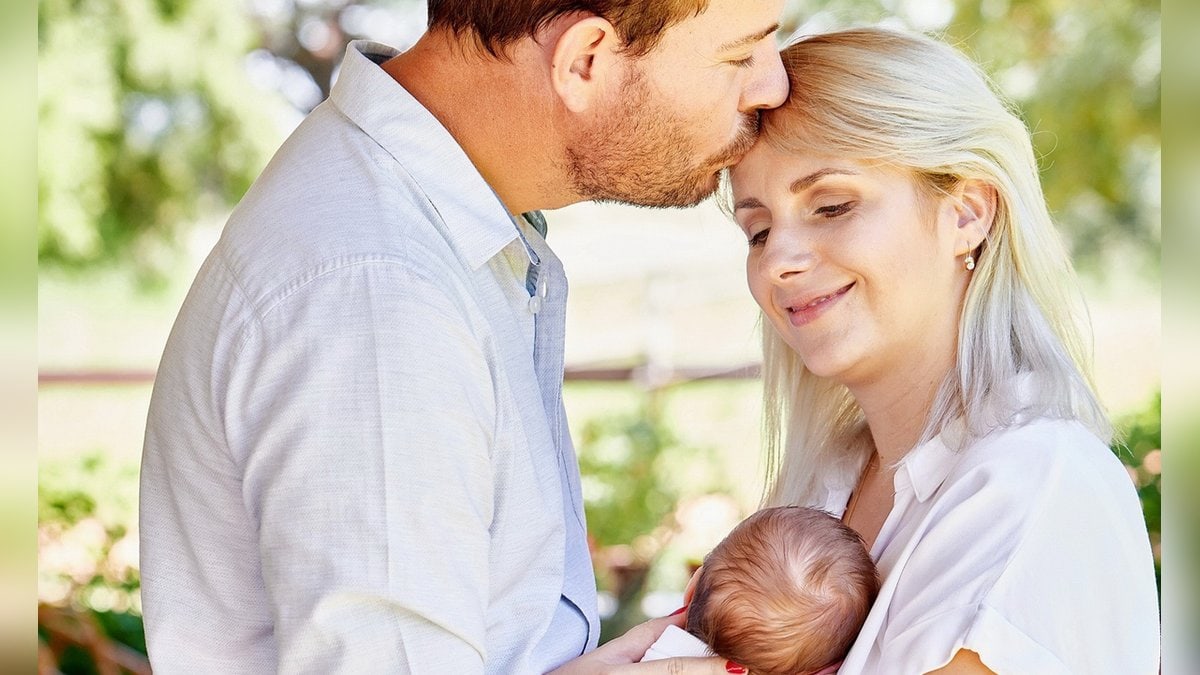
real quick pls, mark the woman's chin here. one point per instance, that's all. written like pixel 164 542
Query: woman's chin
pixel 825 366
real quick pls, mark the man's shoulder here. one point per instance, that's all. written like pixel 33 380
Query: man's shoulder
pixel 330 171
pixel 329 196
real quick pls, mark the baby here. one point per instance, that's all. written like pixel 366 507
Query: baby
pixel 785 593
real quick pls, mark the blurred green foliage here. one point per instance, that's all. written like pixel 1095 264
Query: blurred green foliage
pixel 1139 446
pixel 631 464
pixel 87 549
pixel 87 534
pixel 147 121
pixel 624 469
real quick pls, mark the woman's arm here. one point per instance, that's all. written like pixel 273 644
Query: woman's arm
pixel 965 662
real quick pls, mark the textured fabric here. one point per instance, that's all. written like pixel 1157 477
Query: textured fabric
pixel 356 458
pixel 676 641
pixel 1028 548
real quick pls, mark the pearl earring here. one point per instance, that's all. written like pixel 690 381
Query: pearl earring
pixel 970 262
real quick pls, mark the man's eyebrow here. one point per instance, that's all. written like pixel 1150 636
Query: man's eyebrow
pixel 808 181
pixel 748 203
pixel 748 40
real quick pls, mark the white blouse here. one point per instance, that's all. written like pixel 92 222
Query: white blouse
pixel 1028 547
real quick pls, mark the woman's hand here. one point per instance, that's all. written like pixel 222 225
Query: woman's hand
pixel 620 656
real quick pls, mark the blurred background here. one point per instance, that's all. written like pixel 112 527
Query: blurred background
pixel 155 116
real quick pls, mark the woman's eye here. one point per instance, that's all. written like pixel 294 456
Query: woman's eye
pixel 835 210
pixel 743 63
pixel 759 238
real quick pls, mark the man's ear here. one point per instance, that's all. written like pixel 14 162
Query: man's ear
pixel 975 208
pixel 585 56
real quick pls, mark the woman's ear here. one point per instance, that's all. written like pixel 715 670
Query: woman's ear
pixel 584 58
pixel 975 207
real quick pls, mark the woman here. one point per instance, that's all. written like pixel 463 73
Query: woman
pixel 924 374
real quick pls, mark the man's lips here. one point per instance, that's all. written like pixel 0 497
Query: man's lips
pixel 741 144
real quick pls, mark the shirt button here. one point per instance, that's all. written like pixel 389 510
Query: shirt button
pixel 535 303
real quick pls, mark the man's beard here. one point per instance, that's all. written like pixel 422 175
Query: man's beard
pixel 641 154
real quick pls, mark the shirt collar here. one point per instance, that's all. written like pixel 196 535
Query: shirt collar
pixel 926 467
pixel 474 217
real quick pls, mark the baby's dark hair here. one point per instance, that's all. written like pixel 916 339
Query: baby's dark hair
pixel 785 593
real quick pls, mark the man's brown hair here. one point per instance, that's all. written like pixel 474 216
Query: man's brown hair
pixel 496 24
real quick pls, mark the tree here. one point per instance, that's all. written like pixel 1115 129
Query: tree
pixel 147 119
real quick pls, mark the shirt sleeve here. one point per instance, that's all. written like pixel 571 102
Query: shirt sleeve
pixel 361 412
pixel 1039 563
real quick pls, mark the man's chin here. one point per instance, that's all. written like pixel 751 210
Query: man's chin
pixel 683 194
pixel 737 149
pixel 698 190
pixel 708 186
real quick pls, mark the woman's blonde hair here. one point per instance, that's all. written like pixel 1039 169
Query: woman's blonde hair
pixel 907 101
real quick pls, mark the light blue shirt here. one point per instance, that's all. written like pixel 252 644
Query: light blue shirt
pixel 356 457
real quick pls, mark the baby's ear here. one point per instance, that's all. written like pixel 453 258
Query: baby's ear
pixel 690 590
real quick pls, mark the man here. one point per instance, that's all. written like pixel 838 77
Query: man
pixel 356 457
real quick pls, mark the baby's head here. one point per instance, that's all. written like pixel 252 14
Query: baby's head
pixel 785 593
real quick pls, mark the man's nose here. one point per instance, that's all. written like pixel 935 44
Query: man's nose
pixel 769 86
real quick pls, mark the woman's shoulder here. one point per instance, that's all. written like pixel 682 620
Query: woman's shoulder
pixel 1045 474
pixel 1042 453
pixel 1031 551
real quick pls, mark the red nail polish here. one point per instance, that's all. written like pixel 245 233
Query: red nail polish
pixel 681 610
pixel 731 667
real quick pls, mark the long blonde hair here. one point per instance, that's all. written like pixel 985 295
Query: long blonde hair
pixel 908 101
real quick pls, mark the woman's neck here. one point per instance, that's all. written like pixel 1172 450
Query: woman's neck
pixel 897 409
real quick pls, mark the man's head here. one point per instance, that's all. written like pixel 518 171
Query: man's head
pixel 651 98
pixel 786 592
pixel 496 24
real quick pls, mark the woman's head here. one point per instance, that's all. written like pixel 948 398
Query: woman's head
pixel 859 266
pixel 910 110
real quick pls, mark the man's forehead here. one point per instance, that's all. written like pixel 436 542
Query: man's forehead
pixel 728 25
pixel 748 40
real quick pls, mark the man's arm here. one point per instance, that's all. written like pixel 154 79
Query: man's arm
pixel 362 410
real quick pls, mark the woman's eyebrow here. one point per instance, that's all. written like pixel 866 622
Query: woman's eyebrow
pixel 808 181
pixel 799 185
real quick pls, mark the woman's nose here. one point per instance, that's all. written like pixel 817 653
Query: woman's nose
pixel 786 253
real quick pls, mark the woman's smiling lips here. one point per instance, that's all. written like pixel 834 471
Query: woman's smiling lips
pixel 806 312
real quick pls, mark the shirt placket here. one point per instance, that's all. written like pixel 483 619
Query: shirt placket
pixel 546 283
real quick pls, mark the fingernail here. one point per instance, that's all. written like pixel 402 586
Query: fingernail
pixel 731 667
pixel 681 610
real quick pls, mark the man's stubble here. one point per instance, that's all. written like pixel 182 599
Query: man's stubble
pixel 640 153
